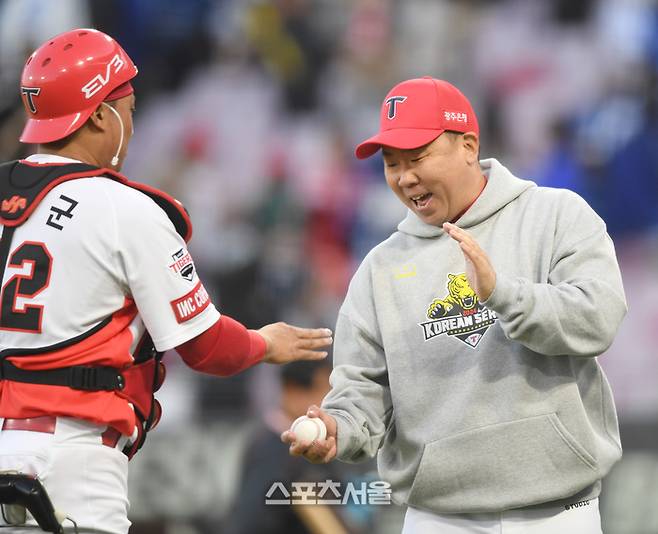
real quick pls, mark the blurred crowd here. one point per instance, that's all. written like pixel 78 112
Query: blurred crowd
pixel 248 112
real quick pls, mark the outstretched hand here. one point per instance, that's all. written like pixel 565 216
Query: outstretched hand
pixel 287 343
pixel 319 451
pixel 479 271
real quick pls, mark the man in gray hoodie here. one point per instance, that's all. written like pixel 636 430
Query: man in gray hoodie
pixel 465 351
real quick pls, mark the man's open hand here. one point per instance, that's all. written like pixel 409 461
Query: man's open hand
pixel 479 271
pixel 287 343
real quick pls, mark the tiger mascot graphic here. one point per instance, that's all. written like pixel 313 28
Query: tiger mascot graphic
pixel 460 293
pixel 460 315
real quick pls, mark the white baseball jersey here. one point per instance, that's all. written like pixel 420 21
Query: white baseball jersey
pixel 95 254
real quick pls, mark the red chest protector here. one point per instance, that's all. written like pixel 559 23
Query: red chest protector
pixel 22 186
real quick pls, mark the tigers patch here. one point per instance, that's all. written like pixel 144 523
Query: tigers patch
pixel 182 264
pixel 460 314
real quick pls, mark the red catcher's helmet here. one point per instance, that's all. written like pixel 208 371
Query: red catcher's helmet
pixel 67 78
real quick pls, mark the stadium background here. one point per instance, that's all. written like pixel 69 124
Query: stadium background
pixel 248 111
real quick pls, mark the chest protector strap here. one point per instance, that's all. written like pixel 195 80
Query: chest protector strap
pixel 22 186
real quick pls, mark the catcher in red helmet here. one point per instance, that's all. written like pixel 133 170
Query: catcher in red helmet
pixel 66 79
pixel 97 283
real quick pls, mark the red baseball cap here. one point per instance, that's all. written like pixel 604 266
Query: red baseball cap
pixel 415 112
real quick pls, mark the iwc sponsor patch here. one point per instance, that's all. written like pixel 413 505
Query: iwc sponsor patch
pixel 460 314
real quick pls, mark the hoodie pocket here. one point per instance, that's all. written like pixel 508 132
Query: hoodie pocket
pixel 502 466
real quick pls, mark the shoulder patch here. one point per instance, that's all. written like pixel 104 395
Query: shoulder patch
pixel 182 264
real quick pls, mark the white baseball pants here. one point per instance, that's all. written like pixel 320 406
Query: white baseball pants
pixel 582 518
pixel 85 479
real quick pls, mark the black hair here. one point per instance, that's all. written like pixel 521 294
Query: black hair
pixel 301 373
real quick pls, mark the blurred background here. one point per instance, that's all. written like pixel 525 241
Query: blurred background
pixel 248 112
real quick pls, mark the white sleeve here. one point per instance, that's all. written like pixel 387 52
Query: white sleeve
pixel 159 272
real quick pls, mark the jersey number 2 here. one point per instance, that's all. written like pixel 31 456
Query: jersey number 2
pixel 25 286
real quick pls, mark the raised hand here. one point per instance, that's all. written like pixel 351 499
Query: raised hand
pixel 479 271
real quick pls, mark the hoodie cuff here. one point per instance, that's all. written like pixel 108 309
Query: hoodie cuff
pixel 347 441
pixel 504 296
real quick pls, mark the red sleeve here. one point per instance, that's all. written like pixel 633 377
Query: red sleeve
pixel 225 349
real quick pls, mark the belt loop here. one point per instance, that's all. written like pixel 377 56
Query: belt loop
pixel 110 437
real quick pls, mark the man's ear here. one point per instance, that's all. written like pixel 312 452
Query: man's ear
pixel 97 118
pixel 471 144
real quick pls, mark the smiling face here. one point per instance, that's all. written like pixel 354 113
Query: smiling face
pixel 437 181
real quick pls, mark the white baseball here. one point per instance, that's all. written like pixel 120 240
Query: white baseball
pixel 309 428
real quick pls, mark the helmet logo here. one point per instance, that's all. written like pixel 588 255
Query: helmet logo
pixel 30 93
pixel 98 82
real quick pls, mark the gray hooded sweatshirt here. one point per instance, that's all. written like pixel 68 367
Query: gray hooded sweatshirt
pixel 483 406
